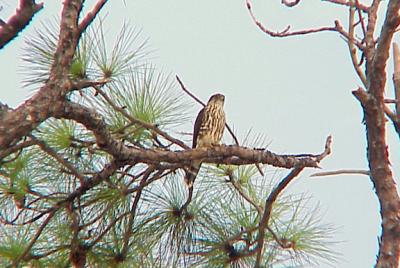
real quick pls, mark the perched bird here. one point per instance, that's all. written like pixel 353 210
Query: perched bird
pixel 208 130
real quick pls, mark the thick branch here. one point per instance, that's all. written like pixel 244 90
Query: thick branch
pixel 22 17
pixel 235 155
pixel 50 97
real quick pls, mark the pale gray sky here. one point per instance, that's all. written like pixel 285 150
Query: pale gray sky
pixel 296 91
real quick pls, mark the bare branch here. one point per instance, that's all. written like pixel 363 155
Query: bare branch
pixel 340 172
pixel 391 23
pixel 81 84
pixel 369 37
pixel 361 18
pixel 353 50
pixel 286 32
pixel 88 19
pixel 22 17
pixel 396 80
pixel 356 4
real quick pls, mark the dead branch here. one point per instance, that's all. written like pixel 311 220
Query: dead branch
pixel 371 25
pixel 356 4
pixel 352 49
pixel 91 15
pixel 396 82
pixel 16 23
pixel 340 172
pixel 286 32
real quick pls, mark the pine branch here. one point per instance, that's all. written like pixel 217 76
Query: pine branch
pixel 22 17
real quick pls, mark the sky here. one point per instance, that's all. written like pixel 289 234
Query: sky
pixel 295 91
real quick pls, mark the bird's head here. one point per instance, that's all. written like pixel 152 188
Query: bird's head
pixel 217 99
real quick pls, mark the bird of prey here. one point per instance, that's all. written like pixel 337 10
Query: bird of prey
pixel 208 130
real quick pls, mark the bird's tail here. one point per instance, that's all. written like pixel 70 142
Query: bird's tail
pixel 190 176
pixel 191 173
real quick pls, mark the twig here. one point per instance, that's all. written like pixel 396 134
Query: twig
pixel 13 149
pixel 80 84
pixel 34 239
pixel 132 214
pixel 58 158
pixel 341 171
pixel 391 101
pixel 243 194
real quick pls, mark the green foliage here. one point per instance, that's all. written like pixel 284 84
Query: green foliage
pixel 131 219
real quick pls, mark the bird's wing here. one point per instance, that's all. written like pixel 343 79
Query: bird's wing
pixel 197 125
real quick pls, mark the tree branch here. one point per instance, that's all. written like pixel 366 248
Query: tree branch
pixel 356 4
pixel 286 32
pixel 377 150
pixel 37 109
pixel 22 17
pixel 88 19
pixel 235 155
pixel 268 209
pixel 352 49
pixel 340 172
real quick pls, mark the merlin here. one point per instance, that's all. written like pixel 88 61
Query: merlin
pixel 208 130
